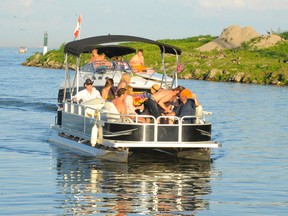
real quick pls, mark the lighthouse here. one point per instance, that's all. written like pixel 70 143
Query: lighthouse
pixel 45 43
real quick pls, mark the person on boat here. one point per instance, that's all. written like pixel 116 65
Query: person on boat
pixel 103 61
pixel 124 81
pixel 95 56
pixel 158 100
pixel 130 108
pixel 149 105
pixel 126 78
pixel 129 102
pixel 119 101
pixel 88 93
pixel 199 109
pixel 121 85
pixel 137 63
pixel 120 63
pixel 175 101
pixel 108 92
pixel 186 108
pixel 154 88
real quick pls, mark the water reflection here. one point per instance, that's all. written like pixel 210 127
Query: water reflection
pixel 145 185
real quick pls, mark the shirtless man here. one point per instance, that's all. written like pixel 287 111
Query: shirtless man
pixel 103 61
pixel 137 59
pixel 119 102
pixel 160 98
pixel 137 62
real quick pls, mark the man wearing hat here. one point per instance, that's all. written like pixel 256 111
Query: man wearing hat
pixel 88 93
pixel 155 88
pixel 186 108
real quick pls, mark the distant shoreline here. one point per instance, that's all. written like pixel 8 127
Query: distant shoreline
pixel 239 77
pixel 245 64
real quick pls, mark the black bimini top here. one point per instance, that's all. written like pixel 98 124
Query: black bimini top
pixel 88 44
pixel 109 50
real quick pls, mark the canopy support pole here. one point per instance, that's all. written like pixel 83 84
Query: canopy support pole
pixel 77 75
pixel 164 69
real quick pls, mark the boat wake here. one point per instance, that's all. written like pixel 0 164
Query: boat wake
pixel 20 104
pixel 20 150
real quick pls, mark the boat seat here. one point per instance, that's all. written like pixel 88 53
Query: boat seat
pixel 198 114
pixel 94 104
pixel 110 112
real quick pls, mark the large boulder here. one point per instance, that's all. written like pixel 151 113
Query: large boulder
pixel 231 37
pixel 267 41
pixel 212 74
pixel 238 77
pixel 34 61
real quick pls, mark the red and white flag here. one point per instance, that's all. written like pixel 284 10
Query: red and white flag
pixel 77 29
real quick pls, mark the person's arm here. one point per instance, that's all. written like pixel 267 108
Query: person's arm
pixel 162 102
pixel 78 97
pixel 142 61
pixel 74 98
pixel 170 114
pixel 96 93
pixel 132 61
pixel 104 93
pixel 196 100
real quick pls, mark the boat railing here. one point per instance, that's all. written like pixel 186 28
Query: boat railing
pixel 98 116
pixel 74 108
pixel 97 113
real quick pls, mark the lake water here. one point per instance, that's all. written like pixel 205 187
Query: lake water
pixel 248 175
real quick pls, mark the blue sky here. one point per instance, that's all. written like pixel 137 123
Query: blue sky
pixel 23 22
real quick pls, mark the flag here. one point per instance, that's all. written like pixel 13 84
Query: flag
pixel 179 67
pixel 77 29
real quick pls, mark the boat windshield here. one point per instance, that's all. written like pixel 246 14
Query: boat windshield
pixel 122 66
pixel 100 66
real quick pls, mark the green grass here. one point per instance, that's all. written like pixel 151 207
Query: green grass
pixel 260 66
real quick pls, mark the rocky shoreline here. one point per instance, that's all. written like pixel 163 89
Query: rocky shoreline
pixel 271 78
pixel 239 77
pixel 220 59
pixel 36 61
